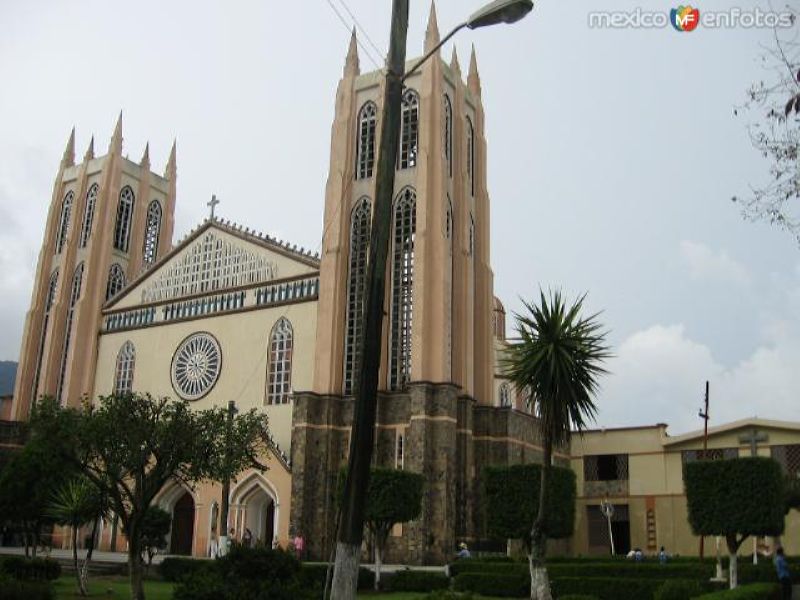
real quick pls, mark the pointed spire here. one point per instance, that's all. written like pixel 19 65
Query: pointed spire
pixel 68 159
pixel 115 145
pixel 89 151
pixel 473 78
pixel 454 62
pixel 351 64
pixel 171 169
pixel 432 33
pixel 145 162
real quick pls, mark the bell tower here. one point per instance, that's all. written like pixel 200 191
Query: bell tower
pixel 110 219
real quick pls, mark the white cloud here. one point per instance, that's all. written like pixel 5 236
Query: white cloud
pixel 706 264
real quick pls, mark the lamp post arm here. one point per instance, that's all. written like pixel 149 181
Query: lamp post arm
pixel 432 51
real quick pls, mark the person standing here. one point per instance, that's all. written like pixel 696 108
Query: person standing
pixel 299 545
pixel 784 576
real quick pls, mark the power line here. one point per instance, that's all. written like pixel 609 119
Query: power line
pixel 360 27
pixel 358 41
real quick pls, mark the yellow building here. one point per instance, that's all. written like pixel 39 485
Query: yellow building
pixel 639 471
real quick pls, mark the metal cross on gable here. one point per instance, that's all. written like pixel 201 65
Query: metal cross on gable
pixel 212 203
pixel 753 438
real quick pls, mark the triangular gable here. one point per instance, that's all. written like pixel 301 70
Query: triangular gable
pixel 215 258
pixel 735 428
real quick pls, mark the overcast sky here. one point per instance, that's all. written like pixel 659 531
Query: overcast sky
pixel 613 155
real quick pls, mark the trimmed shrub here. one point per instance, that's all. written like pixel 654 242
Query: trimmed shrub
pixel 578 597
pixel 312 577
pixel 678 589
pixel 14 589
pixel 418 581
pixel 448 595
pixel 606 588
pixel 627 569
pixel 30 569
pixel 176 569
pixel 494 584
pixel 753 591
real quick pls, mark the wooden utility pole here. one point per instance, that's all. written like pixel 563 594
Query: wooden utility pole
pixel 704 415
pixel 362 439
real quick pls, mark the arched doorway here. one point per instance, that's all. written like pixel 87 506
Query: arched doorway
pixel 182 533
pixel 256 503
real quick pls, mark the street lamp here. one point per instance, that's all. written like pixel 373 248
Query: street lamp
pixel 494 13
pixel 362 439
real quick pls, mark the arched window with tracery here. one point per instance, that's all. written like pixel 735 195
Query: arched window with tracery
pixel 409 129
pixel 88 214
pixel 123 374
pixel 360 221
pixel 122 229
pixel 279 370
pixel 151 231
pixel 405 226
pixel 471 156
pixel 365 155
pixel 116 281
pixel 74 295
pixel 51 296
pixel 505 395
pixel 63 222
pixel 448 134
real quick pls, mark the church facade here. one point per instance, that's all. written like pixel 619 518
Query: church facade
pixel 230 314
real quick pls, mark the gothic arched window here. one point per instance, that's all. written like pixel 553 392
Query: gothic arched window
pixel 471 156
pixel 116 281
pixel 151 231
pixel 123 375
pixel 471 235
pixel 405 226
pixel 448 221
pixel 365 155
pixel 360 221
pixel 505 395
pixel 448 134
pixel 88 214
pixel 63 222
pixel 122 229
pixel 51 296
pixel 409 129
pixel 74 295
pixel 279 370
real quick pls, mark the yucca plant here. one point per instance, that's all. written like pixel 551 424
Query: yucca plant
pixel 555 362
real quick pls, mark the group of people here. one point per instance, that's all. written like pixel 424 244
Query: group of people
pixel 297 544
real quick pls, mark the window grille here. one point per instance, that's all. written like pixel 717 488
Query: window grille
pixel 365 156
pixel 122 229
pixel 789 458
pixel 710 454
pixel 605 467
pixel 51 295
pixel 360 222
pixel 471 235
pixel 399 459
pixel 126 361
pixel 152 228
pixel 505 395
pixel 471 156
pixel 88 215
pixel 409 129
pixel 75 293
pixel 448 221
pixel 405 218
pixel 116 281
pixel 63 222
pixel 448 134
pixel 279 379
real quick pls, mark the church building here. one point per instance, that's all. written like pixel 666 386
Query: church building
pixel 231 314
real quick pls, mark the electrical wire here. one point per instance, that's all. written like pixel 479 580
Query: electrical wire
pixel 367 53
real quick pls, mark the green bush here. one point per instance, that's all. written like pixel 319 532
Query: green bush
pixel 753 591
pixel 606 588
pixel 448 595
pixel 678 589
pixel 578 597
pixel 627 569
pixel 418 581
pixel 30 569
pixel 176 569
pixel 501 585
pixel 312 577
pixel 14 589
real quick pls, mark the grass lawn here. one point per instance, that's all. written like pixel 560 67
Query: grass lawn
pixel 116 587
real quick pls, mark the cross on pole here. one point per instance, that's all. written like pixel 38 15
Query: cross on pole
pixel 212 203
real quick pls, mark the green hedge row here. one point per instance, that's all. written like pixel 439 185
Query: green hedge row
pixel 175 569
pixel 30 569
pixel 417 581
pixel 683 570
pixel 753 591
pixel 14 589
pixel 578 597
pixel 312 576
pixel 501 585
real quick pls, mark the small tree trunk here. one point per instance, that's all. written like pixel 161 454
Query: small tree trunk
pixel 81 585
pixel 345 571
pixel 89 551
pixel 540 582
pixel 135 563
pixel 733 548
pixel 378 563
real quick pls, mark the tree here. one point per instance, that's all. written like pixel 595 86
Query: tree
pixel 155 527
pixel 735 498
pixel 392 497
pixel 512 501
pixel 556 362
pixel 775 134
pixel 75 504
pixel 131 446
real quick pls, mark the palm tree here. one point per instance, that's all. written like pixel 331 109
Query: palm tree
pixel 556 362
pixel 76 504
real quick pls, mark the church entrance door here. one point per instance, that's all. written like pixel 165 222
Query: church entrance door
pixel 182 533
